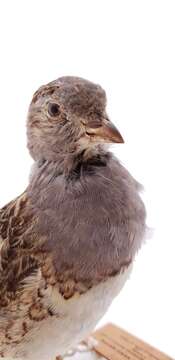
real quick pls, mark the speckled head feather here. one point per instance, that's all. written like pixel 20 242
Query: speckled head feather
pixel 66 117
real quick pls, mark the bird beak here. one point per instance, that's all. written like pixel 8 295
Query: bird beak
pixel 106 131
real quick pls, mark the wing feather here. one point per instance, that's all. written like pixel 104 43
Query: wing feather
pixel 17 260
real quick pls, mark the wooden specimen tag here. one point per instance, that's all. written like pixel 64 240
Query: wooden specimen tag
pixel 117 344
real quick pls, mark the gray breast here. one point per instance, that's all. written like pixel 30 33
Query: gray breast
pixel 94 223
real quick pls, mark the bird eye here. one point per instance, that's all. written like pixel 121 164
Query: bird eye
pixel 53 109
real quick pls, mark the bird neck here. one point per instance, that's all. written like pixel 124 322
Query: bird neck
pixel 70 166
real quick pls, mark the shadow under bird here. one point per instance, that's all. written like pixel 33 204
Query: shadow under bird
pixel 67 244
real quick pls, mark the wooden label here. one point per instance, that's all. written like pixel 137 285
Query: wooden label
pixel 114 343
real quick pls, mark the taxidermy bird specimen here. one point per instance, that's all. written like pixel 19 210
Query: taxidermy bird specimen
pixel 67 244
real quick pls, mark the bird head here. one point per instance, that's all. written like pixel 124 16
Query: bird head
pixel 68 116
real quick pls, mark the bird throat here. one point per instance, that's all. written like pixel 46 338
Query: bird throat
pixel 72 166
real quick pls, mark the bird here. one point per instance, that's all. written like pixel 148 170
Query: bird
pixel 69 241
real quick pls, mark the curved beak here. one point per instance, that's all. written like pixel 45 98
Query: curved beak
pixel 105 131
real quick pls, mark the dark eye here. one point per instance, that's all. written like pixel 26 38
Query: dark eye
pixel 53 109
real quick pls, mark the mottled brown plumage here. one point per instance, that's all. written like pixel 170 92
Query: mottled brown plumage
pixel 68 242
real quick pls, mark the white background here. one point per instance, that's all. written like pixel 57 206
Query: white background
pixel 129 48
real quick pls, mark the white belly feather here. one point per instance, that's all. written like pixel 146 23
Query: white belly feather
pixel 75 319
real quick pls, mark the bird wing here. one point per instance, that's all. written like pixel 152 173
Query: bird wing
pixel 17 260
pixel 26 274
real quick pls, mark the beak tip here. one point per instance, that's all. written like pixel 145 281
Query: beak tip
pixel 115 134
pixel 122 141
pixel 119 139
